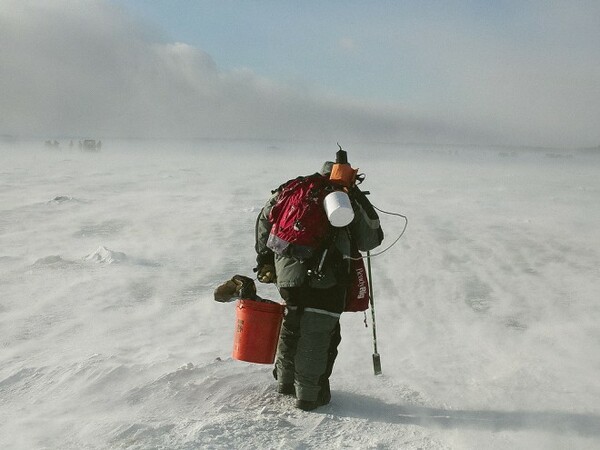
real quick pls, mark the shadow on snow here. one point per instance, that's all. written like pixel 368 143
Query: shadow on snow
pixel 360 406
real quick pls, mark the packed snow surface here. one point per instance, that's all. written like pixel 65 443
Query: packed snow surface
pixel 487 309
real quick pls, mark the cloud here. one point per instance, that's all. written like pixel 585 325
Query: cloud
pixel 86 68
pixel 347 44
pixel 531 73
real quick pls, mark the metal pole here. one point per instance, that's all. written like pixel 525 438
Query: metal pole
pixel 376 358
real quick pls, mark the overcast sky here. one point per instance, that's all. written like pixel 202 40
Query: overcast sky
pixel 472 72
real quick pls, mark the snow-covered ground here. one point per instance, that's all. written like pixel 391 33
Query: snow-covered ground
pixel 488 311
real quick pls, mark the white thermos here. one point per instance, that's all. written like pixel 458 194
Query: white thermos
pixel 338 208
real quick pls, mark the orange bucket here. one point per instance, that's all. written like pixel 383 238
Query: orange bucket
pixel 257 331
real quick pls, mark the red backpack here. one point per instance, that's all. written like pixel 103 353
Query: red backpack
pixel 300 227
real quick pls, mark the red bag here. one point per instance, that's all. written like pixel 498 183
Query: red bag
pixel 299 223
pixel 357 294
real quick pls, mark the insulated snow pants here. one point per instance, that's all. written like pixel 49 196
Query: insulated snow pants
pixel 308 340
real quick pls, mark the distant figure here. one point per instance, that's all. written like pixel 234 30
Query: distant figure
pixel 89 144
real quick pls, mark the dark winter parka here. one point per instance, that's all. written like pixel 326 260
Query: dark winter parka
pixel 364 233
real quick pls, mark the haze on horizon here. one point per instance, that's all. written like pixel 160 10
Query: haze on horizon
pixel 510 74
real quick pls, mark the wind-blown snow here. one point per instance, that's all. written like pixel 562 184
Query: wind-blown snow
pixel 487 309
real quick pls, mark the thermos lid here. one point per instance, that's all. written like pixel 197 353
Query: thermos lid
pixel 339 209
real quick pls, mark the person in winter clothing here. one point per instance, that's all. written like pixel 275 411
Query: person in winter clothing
pixel 310 333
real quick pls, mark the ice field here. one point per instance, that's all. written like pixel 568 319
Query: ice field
pixel 488 311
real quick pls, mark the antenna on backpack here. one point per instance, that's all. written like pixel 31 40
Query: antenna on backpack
pixel 341 156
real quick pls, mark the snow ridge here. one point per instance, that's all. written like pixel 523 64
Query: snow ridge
pixel 103 255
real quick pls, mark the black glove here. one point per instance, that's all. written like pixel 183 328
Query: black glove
pixel 266 273
pixel 228 291
pixel 238 287
pixel 248 288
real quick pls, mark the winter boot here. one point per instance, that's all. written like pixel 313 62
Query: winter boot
pixel 286 389
pixel 324 396
pixel 307 405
